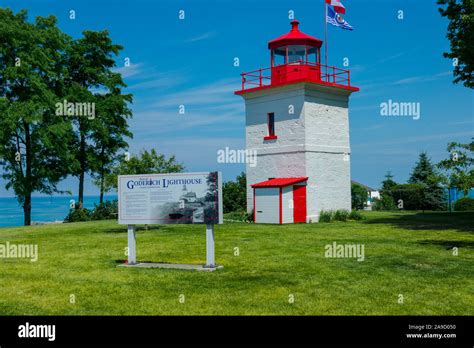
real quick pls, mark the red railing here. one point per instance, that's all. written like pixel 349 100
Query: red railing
pixel 255 79
pixel 285 73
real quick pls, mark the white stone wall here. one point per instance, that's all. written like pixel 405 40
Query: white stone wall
pixel 329 184
pixel 283 157
pixel 328 151
pixel 313 142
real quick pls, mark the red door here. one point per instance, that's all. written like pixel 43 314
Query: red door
pixel 299 203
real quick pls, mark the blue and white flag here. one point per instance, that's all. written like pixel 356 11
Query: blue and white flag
pixel 337 20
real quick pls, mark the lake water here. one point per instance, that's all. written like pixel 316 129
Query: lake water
pixel 44 209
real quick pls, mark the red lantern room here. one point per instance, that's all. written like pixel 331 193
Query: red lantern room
pixel 295 57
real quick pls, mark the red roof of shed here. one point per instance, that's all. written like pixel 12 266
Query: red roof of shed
pixel 279 182
pixel 295 37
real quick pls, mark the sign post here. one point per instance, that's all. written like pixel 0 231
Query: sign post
pixel 132 245
pixel 210 262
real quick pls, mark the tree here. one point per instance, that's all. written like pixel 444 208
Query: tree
pixel 235 194
pixel 458 168
pixel 91 80
pixel 108 136
pixel 424 173
pixel 359 196
pixel 410 196
pixel 386 201
pixel 388 184
pixel 464 204
pixel 145 163
pixel 32 136
pixel 460 14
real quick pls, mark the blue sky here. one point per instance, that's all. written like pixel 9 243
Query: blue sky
pixel 190 62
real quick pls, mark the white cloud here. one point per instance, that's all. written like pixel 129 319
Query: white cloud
pixel 149 77
pixel 395 56
pixel 157 122
pixel 422 78
pixel 213 94
pixel 130 71
pixel 160 80
pixel 196 152
pixel 413 139
pixel 201 37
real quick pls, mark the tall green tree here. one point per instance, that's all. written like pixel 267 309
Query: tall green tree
pixel 90 61
pixel 460 14
pixel 458 168
pixel 388 184
pixel 146 162
pixel 32 136
pixel 235 194
pixel 425 174
pixel 108 135
pixel 386 201
pixel 359 196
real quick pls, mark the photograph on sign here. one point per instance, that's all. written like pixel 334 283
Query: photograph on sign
pixel 176 198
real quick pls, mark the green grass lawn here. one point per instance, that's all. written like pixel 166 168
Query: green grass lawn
pixel 405 253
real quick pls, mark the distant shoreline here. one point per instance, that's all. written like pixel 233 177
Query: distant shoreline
pixel 63 196
pixel 46 210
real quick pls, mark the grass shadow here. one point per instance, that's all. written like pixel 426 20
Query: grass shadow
pixel 121 262
pixel 123 229
pixel 449 244
pixel 435 221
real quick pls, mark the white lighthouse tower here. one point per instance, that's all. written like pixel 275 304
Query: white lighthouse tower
pixel 297 121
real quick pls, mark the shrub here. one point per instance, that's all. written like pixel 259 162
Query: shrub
pixel 341 215
pixel 384 203
pixel 250 216
pixel 464 204
pixel 326 216
pixel 76 215
pixel 241 215
pixel 105 211
pixel 355 215
pixel 411 195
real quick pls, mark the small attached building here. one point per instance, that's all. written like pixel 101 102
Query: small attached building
pixel 280 201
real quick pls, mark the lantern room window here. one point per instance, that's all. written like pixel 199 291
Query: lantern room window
pixel 295 54
pixel 313 55
pixel 279 56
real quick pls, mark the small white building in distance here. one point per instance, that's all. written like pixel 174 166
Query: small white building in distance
pixel 297 121
pixel 372 194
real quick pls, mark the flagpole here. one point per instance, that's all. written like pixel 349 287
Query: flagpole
pixel 326 38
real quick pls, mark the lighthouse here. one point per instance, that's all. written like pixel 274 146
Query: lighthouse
pixel 297 122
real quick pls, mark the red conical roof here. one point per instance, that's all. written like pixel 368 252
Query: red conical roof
pixel 294 37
